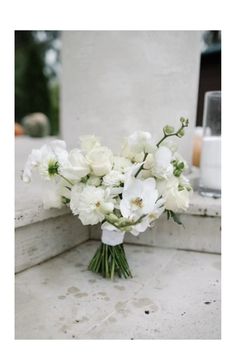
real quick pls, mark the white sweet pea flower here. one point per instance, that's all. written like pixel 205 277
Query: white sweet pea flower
pixel 162 166
pixel 100 160
pixel 138 198
pixel 76 166
pixel 47 160
pixel 90 203
pixel 176 197
pixel 89 142
pixel 137 144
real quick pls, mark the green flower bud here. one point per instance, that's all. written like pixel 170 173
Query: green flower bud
pixel 168 129
pixel 181 133
pixel 112 218
pixel 181 165
pixel 184 121
pixel 177 173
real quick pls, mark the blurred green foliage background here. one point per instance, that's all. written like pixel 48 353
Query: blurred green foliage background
pixel 37 66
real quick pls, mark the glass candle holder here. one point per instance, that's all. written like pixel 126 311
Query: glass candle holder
pixel 210 165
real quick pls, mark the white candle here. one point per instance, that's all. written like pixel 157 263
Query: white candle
pixel 210 168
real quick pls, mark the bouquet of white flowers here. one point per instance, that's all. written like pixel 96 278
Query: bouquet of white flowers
pixel 124 193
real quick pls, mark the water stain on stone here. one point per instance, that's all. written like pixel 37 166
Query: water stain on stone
pixel 64 329
pixel 148 251
pixel 137 251
pixel 106 298
pixel 79 265
pixel 92 281
pixel 61 318
pixel 145 302
pixel 119 287
pixel 31 251
pixel 81 294
pixel 122 309
pixel 83 319
pixel 102 293
pixel 72 290
pixel 61 297
pixel 142 302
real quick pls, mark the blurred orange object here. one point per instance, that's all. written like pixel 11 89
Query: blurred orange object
pixel 19 129
pixel 197 146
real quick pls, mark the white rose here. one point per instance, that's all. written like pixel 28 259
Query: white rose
pixel 89 142
pixel 176 199
pixel 90 203
pixel 76 166
pixel 100 160
pixel 162 166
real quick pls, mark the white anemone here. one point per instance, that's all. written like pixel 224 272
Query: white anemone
pixel 138 198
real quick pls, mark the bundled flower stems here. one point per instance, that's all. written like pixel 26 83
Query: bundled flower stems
pixel 124 193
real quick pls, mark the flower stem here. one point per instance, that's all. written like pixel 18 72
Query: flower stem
pixel 66 179
pixel 109 261
pixel 183 125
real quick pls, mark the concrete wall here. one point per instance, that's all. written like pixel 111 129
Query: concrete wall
pixel 115 82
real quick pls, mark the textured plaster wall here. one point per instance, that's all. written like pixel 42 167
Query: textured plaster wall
pixel 115 82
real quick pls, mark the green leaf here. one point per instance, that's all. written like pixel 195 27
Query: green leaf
pixel 174 216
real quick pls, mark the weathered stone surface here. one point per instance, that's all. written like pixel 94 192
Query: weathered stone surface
pixel 172 295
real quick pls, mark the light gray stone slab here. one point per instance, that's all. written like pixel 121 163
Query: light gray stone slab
pixel 116 82
pixel 39 241
pixel 180 292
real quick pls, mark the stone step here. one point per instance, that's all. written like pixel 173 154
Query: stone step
pixel 173 295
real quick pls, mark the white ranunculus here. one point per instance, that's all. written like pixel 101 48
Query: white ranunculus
pixel 175 199
pixel 137 144
pixel 89 142
pixel 138 198
pixel 46 160
pixel 100 160
pixel 113 179
pixel 162 166
pixel 76 166
pixel 90 203
pixel 94 181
